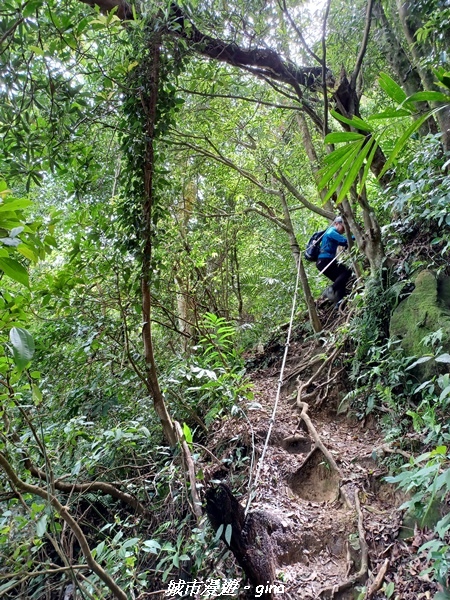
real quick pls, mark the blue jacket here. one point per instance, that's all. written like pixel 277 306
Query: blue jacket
pixel 330 241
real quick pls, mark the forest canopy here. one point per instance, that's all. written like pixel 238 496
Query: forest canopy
pixel 163 167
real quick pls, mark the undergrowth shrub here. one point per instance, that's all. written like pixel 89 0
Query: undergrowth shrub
pixel 427 481
pixel 208 383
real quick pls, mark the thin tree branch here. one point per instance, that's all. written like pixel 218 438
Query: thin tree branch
pixel 244 98
pixel 11 30
pixel 71 522
pixel 294 191
pixel 363 48
pixel 224 160
pixel 93 486
pixel 285 10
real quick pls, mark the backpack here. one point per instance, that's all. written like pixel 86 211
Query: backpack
pixel 313 246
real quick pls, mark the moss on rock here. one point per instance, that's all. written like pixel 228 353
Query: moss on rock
pixel 424 312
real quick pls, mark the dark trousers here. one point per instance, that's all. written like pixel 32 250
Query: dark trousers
pixel 339 275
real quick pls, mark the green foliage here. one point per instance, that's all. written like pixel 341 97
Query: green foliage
pixel 427 479
pixel 421 198
pixel 343 165
pixel 21 241
pixel 213 380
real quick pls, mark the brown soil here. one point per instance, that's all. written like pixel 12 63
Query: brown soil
pixel 316 541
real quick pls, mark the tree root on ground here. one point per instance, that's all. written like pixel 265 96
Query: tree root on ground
pixel 306 384
pixel 361 576
pixel 378 581
pixel 315 436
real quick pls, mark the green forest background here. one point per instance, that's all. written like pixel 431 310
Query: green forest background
pixel 162 168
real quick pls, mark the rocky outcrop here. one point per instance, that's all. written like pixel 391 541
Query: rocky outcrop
pixel 423 313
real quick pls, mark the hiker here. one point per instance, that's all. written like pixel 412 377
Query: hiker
pixel 326 263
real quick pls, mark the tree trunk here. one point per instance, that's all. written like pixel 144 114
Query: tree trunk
pixel 313 316
pixel 410 19
pixel 247 536
pixel 406 73
pixel 151 373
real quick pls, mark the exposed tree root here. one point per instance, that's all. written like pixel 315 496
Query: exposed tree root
pixel 306 384
pixel 315 436
pixel 361 576
pixel 378 581
pixel 362 573
pixel 303 366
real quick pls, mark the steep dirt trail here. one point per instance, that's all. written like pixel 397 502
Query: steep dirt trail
pixel 317 546
pixel 318 539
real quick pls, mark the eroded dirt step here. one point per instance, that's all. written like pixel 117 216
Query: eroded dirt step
pixel 315 540
pixel 317 545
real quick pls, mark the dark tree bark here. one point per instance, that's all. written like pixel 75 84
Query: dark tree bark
pixel 124 10
pixel 262 62
pixel 249 541
pixel 152 382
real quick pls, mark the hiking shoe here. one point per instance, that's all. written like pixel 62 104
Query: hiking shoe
pixel 329 294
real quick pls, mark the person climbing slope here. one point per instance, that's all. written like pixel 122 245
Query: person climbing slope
pixel 338 273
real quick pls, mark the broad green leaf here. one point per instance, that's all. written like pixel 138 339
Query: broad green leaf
pixel 27 252
pixel 389 589
pixel 17 204
pixel 390 113
pixel 419 361
pixel 442 526
pixel 37 394
pixel 352 174
pixel 228 532
pixel 445 392
pixel 31 7
pixel 343 136
pixel 368 164
pixel 218 533
pixel 23 346
pixel 6 586
pixel 392 89
pixel 439 450
pixel 151 546
pixel 346 167
pixel 100 549
pixel 37 50
pixel 428 97
pixel 16 231
pixel 14 270
pixel 333 157
pixel 402 141
pixel 355 122
pixel 443 76
pixel 187 433
pixel 8 241
pixel 41 526
pixel 334 166
pixel 443 358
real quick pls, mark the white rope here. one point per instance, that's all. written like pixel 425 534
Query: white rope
pixel 280 383
pixel 277 398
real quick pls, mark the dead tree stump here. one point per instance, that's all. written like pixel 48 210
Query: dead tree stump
pixel 249 538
